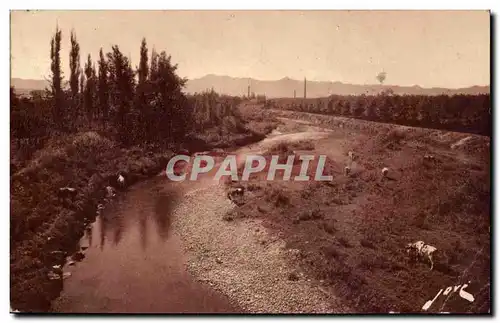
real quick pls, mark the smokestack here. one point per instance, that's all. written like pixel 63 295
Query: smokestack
pixel 305 88
pixel 248 95
pixel 294 94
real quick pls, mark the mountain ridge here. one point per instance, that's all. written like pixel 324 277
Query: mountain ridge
pixel 284 87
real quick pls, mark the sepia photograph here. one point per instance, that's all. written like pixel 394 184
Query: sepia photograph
pixel 250 162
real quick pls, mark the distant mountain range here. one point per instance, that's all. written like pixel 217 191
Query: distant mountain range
pixel 284 87
pixel 24 86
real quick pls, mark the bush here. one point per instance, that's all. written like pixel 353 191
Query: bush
pixel 329 226
pixel 366 243
pixel 344 242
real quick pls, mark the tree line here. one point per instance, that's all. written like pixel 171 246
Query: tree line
pixel 145 104
pixel 463 113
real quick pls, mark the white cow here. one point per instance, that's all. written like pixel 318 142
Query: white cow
pixel 347 170
pixel 110 192
pixel 121 180
pixel 99 208
pixel 421 250
pixel 385 171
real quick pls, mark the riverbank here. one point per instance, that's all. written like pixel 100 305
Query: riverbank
pixel 242 258
pixel 42 224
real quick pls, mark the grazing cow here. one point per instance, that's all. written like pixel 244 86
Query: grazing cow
pixel 431 159
pixel 235 192
pixel 110 192
pixel 201 153
pixel 99 208
pixel 385 171
pixel 351 155
pixel 57 268
pixel 420 250
pixel 347 170
pixel 120 180
pixel 65 192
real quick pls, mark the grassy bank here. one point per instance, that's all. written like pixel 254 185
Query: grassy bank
pixel 350 232
pixel 41 223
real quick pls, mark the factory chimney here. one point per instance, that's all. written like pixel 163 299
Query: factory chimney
pixel 305 88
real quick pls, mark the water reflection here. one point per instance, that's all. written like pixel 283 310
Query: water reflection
pixel 102 231
pixel 163 207
pixel 117 231
pixel 135 211
pixel 88 233
pixel 143 229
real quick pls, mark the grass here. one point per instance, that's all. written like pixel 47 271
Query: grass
pixel 246 127
pixel 290 147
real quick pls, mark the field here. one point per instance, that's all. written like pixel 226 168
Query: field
pixel 463 113
pixel 350 233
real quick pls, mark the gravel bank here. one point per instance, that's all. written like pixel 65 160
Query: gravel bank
pixel 243 260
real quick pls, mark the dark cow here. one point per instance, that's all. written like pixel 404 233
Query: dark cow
pixel 67 192
pixel 235 192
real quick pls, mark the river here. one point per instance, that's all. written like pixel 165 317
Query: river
pixel 134 263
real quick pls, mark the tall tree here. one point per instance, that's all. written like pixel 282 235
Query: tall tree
pixel 81 112
pixel 95 102
pixel 174 116
pixel 102 88
pixel 56 79
pixel 143 70
pixel 142 114
pixel 122 83
pixel 154 65
pixel 89 87
pixel 154 99
pixel 74 65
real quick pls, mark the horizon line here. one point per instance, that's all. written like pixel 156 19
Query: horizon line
pixel 308 80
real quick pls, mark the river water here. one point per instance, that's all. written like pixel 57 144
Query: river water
pixel 134 263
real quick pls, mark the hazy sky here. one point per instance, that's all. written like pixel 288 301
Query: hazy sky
pixel 428 48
